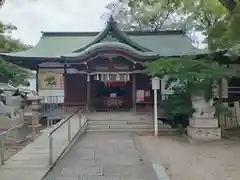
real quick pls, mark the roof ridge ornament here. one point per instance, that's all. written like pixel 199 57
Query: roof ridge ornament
pixel 112 21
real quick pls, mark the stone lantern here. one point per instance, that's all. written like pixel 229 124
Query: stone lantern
pixel 34 107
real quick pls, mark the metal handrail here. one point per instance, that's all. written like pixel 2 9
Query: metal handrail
pixel 59 126
pixel 2 135
pixel 63 122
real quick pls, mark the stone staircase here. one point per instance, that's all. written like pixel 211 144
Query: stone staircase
pixel 125 123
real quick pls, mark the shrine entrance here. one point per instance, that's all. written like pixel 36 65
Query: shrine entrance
pixel 113 92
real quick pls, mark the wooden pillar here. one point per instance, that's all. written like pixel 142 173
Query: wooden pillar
pixel 65 82
pixel 134 92
pixel 88 92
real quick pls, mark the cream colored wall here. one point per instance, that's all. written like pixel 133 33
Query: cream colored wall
pixel 42 84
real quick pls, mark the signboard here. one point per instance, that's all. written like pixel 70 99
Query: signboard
pixel 147 93
pixel 140 96
pixel 155 83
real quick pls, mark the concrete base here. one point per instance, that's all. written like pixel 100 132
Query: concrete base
pixel 204 122
pixel 206 134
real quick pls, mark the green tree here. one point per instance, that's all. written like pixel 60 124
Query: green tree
pixel 194 75
pixel 9 71
pixel 145 15
pixel 217 19
pixel 188 78
pixel 13 73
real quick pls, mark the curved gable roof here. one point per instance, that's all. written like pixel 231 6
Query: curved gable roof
pixel 116 46
pixel 112 30
pixel 163 43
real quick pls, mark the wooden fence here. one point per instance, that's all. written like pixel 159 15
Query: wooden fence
pixel 233 121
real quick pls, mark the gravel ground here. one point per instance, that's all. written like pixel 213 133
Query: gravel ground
pixel 185 160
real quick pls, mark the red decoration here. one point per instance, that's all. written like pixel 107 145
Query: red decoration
pixel 115 83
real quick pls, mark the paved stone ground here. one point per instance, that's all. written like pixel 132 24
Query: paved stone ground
pixel 186 160
pixel 103 156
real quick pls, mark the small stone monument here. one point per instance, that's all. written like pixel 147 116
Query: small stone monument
pixel 203 125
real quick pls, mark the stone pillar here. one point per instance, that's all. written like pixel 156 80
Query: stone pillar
pixel 224 85
pixel 203 125
pixel 163 87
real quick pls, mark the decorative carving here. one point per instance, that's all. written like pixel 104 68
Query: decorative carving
pixel 51 81
pixel 110 38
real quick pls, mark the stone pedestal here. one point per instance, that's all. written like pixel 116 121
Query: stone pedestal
pixel 203 125
pixel 203 128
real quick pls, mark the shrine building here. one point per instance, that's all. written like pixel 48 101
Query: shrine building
pixel 102 70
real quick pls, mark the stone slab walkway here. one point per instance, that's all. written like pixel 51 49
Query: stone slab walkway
pixel 32 162
pixel 104 156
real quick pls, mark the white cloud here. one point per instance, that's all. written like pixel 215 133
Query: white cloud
pixel 33 16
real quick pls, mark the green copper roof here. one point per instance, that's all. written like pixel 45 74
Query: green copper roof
pixel 111 46
pixel 162 43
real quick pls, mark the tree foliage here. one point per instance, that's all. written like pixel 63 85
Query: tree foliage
pixel 188 76
pixel 9 71
pixel 193 75
pixel 145 15
pixel 13 73
pixel 217 19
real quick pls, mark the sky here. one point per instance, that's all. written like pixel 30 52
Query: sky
pixel 33 16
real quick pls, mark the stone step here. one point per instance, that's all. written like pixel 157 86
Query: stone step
pixel 122 122
pixel 162 131
pixel 126 126
pixel 120 126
